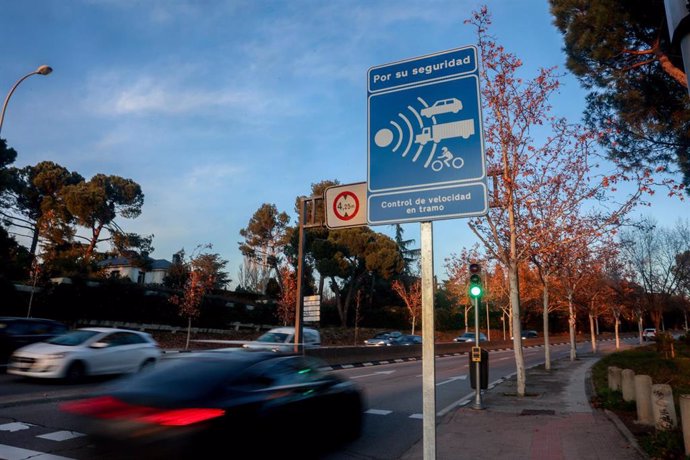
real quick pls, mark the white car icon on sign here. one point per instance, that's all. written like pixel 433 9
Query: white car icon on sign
pixel 443 106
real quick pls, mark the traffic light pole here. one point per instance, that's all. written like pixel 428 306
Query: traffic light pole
pixel 477 364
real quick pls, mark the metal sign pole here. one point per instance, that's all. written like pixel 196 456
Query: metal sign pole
pixel 477 364
pixel 428 353
pixel 299 304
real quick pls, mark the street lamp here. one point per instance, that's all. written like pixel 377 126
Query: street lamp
pixel 42 70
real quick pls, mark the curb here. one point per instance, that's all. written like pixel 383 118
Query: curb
pixel 590 390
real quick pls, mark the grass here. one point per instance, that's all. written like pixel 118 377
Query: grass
pixel 656 361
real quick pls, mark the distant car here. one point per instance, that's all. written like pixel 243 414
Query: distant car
pixel 529 334
pixel 239 399
pixel 443 106
pixel 86 352
pixel 16 332
pixel 283 339
pixel 382 338
pixel 649 334
pixel 470 337
pixel 406 340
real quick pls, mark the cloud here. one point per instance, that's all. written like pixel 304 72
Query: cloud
pixel 212 175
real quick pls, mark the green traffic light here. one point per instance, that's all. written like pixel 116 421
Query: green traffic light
pixel 475 291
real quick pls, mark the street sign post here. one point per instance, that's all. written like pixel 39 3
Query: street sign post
pixel 425 139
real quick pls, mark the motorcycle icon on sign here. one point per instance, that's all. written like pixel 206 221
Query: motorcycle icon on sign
pixel 446 158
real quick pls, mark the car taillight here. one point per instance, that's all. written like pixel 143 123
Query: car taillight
pixel 107 407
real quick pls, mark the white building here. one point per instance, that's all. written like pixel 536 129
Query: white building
pixel 154 272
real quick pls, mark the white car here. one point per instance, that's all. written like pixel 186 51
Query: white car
pixel 649 334
pixel 87 351
pixel 443 106
pixel 283 339
pixel 470 337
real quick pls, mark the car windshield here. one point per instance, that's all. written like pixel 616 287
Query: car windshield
pixel 72 339
pixel 273 337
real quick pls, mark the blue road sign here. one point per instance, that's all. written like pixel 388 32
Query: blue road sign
pixel 425 139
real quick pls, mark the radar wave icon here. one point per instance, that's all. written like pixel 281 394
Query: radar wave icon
pixel 401 138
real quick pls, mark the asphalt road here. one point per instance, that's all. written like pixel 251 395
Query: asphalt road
pixel 393 416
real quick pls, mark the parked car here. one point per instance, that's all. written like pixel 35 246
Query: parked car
pixel 16 332
pixel 283 339
pixel 406 340
pixel 470 337
pixel 229 399
pixel 649 334
pixel 382 338
pixel 85 352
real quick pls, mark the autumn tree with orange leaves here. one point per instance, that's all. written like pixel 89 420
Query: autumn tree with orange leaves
pixel 531 174
pixel 411 295
pixel 200 281
pixel 287 302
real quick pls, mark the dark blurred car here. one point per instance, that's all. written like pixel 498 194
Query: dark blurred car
pixel 529 334
pixel 231 399
pixel 16 332
pixel 470 337
pixel 382 338
pixel 406 340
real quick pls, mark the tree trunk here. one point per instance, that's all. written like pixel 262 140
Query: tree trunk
pixel 189 332
pixel 571 326
pixel 616 325
pixel 639 327
pixel 592 333
pixel 545 316
pixel 517 330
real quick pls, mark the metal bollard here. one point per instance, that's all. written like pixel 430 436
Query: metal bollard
pixel 643 399
pixel 628 384
pixel 662 407
pixel 614 374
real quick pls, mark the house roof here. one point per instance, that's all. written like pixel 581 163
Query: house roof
pixel 120 261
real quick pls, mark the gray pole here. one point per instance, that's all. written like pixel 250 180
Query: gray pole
pixel 428 354
pixel 299 301
pixel 477 364
pixel 43 70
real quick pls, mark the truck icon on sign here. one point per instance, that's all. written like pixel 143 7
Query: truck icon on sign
pixel 438 132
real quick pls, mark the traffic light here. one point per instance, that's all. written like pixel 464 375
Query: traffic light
pixel 476 289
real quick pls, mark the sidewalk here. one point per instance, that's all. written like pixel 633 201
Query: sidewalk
pixel 554 421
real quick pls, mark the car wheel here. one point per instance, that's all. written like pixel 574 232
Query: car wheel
pixel 147 365
pixel 75 372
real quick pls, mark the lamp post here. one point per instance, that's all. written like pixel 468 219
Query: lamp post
pixel 42 70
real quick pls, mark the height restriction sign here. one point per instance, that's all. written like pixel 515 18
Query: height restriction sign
pixel 346 205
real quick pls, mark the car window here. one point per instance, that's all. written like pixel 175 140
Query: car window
pixel 73 338
pixel 117 339
pixel 275 337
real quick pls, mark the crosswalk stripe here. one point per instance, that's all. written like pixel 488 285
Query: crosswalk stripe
pixel 61 435
pixel 17 453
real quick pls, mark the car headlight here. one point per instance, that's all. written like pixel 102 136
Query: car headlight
pixel 55 356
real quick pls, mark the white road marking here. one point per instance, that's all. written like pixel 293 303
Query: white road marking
pixel 370 375
pixel 452 379
pixel 16 453
pixel 61 435
pixel 15 426
pixel 378 412
pixel 417 416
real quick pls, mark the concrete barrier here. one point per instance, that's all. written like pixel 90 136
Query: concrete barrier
pixel 614 378
pixel 643 399
pixel 663 408
pixel 684 401
pixel 628 384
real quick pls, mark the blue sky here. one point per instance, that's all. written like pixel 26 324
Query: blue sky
pixel 215 107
